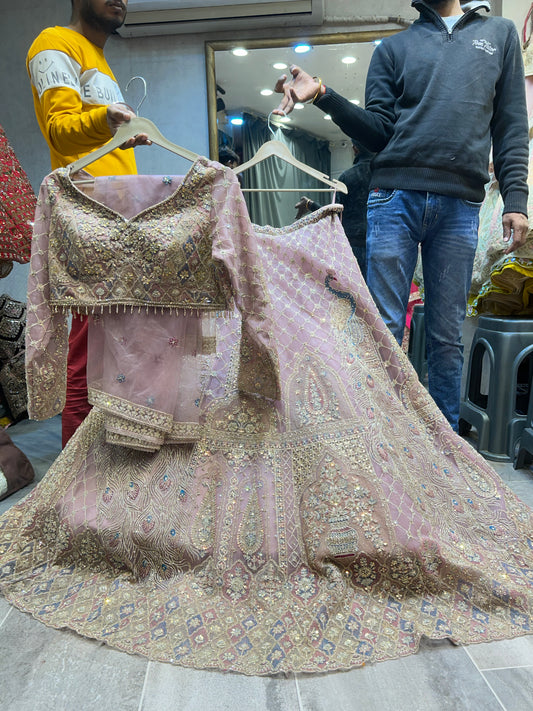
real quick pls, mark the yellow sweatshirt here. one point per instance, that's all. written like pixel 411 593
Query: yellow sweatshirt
pixel 72 85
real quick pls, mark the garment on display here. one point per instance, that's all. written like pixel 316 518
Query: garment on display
pixel 322 516
pixel 277 149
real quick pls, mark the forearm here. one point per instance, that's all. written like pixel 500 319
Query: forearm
pixel 365 126
pixel 70 127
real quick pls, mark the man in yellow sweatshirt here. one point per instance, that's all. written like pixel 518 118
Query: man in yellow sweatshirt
pixel 79 107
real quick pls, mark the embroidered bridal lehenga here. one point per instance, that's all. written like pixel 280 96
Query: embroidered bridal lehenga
pixel 263 485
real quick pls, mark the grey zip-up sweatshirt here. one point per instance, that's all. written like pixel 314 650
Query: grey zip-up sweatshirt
pixel 435 100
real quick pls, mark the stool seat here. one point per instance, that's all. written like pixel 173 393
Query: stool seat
pixel 505 344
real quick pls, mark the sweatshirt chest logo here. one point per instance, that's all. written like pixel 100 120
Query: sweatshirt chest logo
pixel 484 45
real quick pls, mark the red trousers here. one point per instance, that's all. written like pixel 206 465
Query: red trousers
pixel 77 405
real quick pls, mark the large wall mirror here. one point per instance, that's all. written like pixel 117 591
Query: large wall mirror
pixel 240 75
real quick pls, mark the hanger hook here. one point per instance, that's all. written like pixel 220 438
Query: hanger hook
pixel 269 123
pixel 143 96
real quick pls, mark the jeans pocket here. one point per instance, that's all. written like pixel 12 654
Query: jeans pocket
pixel 380 196
pixel 472 203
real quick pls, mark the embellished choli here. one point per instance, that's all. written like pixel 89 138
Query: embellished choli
pixel 151 259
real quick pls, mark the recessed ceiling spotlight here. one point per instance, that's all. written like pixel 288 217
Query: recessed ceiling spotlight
pixel 239 52
pixel 279 65
pixel 327 117
pixel 266 92
pixel 376 42
pixel 355 101
pixel 298 106
pixel 348 60
pixel 237 121
pixel 302 48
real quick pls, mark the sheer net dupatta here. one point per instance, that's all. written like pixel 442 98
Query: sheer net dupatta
pixel 144 372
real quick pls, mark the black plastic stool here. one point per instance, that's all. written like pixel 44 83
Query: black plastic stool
pixel 500 415
pixel 416 351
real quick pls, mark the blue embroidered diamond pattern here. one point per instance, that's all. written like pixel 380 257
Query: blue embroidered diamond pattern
pixel 500 591
pixel 519 619
pixel 278 630
pixel 327 647
pixel 322 617
pixel 443 626
pixel 47 609
pixel 43 588
pixel 244 646
pixel 406 625
pixel 159 631
pixel 173 604
pixel 182 650
pixel 70 570
pixel 194 623
pixel 127 610
pixel 394 604
pixel 365 649
pixel 428 608
pixel 249 623
pixel 353 626
pixel 480 616
pixel 95 614
pixel 527 573
pixel 108 631
pixel 73 590
pixel 276 656
pixel 7 569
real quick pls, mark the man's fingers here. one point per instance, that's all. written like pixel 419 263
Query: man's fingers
pixel 280 84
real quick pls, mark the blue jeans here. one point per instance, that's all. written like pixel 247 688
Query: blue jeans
pixel 446 229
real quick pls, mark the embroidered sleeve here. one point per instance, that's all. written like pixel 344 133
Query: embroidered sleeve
pixel 46 331
pixel 234 244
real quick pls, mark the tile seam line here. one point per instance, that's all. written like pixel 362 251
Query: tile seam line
pixel 145 682
pixel 2 621
pixel 486 681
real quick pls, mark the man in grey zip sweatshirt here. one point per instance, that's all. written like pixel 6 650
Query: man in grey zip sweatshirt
pixel 437 95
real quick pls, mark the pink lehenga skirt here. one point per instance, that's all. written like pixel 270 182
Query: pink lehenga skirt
pixel 323 531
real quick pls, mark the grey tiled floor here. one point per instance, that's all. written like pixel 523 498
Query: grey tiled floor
pixel 42 668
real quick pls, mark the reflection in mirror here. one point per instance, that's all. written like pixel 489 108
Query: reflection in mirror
pixel 241 79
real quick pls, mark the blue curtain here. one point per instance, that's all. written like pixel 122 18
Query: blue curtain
pixel 277 209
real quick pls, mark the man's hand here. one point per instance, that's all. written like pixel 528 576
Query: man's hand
pixel 515 228
pixel 300 87
pixel 117 114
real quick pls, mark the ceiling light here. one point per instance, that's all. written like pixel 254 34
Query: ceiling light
pixel 279 65
pixel 266 92
pixel 327 117
pixel 237 121
pixel 240 52
pixel 302 48
pixel 348 60
pixel 298 105
pixel 376 42
pixel 355 101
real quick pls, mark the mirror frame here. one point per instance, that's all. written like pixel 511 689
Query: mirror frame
pixel 215 46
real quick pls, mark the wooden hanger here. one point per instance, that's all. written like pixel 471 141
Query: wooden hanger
pixel 278 149
pixel 129 130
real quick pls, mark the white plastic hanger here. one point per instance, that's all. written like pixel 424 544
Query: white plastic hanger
pixel 129 130
pixel 278 149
